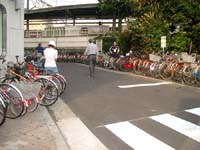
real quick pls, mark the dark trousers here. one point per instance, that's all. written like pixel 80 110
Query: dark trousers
pixel 92 62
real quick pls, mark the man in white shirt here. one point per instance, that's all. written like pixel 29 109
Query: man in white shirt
pixel 92 53
pixel 50 55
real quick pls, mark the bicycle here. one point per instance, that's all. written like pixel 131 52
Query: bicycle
pixel 13 100
pixel 3 110
pixel 37 70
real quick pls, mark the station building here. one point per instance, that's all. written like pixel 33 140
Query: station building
pixel 11 29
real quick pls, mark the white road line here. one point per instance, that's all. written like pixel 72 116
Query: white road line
pixel 184 127
pixel 195 111
pixel 142 85
pixel 136 138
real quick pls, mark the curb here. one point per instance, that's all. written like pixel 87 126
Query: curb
pixel 60 141
pixel 74 131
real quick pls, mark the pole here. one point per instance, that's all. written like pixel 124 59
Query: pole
pixel 27 21
pixel 163 51
pixel 27 5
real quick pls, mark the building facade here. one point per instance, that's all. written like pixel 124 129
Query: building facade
pixel 11 29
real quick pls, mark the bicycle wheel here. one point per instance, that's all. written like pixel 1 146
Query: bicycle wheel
pixel 188 76
pixel 154 70
pixel 13 99
pixel 197 74
pixel 58 83
pixel 165 72
pixel 48 91
pixel 2 111
pixel 62 80
pixel 177 74
pixel 32 104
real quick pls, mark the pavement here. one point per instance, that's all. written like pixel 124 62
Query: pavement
pixel 52 128
pixel 34 131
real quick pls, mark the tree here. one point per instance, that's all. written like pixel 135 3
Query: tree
pixel 178 20
pixel 116 9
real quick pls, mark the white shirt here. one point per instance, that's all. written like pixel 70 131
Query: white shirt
pixel 50 55
pixel 91 49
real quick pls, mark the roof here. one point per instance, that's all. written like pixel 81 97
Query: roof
pixel 63 12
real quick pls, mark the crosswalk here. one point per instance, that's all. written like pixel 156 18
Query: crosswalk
pixel 138 139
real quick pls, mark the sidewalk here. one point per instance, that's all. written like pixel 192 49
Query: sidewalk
pixel 53 128
pixel 34 131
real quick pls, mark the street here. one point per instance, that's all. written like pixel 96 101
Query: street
pixel 122 118
pixel 113 111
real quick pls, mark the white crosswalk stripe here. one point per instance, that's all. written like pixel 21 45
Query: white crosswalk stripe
pixel 184 127
pixel 139 139
pixel 195 111
pixel 136 138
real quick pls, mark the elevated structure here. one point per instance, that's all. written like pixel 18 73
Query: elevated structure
pixel 66 36
pixel 60 14
pixel 86 11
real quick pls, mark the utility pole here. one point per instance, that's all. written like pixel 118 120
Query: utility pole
pixel 27 5
pixel 27 21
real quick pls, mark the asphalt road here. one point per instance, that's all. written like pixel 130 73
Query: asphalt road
pixel 145 117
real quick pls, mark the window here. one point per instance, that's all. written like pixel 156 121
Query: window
pixel 3 28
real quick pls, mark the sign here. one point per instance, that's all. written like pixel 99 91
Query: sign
pixel 163 41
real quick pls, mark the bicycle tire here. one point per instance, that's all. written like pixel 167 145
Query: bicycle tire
pixel 2 111
pixel 197 76
pixel 13 99
pixel 164 72
pixel 58 83
pixel 178 74
pixel 49 90
pixel 33 105
pixel 187 77
pixel 62 80
pixel 24 111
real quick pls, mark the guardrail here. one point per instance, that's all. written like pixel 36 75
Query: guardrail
pixel 66 31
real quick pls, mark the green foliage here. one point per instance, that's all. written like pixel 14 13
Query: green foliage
pixel 153 19
pixel 125 41
pixel 179 43
pixel 118 8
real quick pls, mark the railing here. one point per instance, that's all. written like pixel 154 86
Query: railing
pixel 67 31
pixel 33 33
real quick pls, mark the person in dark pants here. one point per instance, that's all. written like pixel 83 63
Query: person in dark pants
pixel 39 50
pixel 92 55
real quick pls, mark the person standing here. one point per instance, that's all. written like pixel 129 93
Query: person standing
pixel 39 50
pixel 92 53
pixel 50 56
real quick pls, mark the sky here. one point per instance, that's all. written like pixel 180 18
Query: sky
pixel 62 2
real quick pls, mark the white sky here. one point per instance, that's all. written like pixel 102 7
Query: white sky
pixel 71 2
pixel 63 2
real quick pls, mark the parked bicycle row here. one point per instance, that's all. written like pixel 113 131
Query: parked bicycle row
pixel 170 67
pixel 26 85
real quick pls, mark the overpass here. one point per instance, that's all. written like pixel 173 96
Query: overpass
pixel 73 12
pixel 67 36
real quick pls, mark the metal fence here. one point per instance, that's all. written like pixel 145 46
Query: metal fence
pixel 67 31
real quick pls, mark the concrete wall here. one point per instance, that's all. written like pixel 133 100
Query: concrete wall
pixel 15 28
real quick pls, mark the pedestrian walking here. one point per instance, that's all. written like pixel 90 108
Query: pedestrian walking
pixel 50 56
pixel 92 54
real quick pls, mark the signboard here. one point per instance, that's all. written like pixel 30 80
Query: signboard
pixel 163 41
